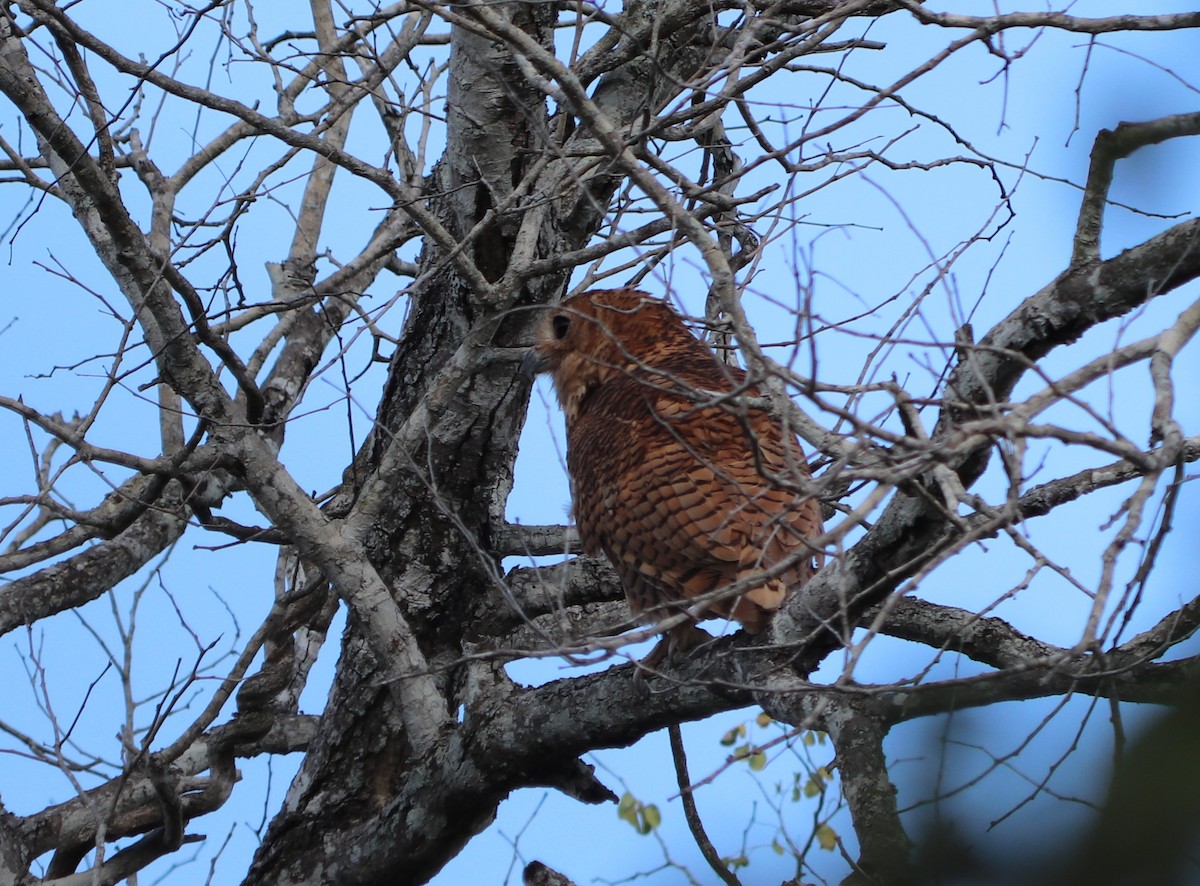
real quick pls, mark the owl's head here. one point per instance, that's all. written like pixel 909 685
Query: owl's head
pixel 595 336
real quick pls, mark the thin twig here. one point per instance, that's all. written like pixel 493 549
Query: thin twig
pixel 695 825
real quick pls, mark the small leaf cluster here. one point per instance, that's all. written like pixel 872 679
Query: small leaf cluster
pixel 644 817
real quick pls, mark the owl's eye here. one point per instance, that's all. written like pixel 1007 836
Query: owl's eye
pixel 561 324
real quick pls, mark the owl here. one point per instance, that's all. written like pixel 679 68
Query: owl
pixel 679 484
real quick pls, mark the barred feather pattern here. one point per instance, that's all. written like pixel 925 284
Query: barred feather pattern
pixel 675 480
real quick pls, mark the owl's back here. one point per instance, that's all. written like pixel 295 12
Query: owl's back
pixel 685 491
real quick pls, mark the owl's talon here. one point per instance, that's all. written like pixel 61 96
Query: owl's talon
pixel 641 677
pixel 674 642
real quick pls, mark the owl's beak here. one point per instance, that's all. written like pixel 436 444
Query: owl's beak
pixel 533 364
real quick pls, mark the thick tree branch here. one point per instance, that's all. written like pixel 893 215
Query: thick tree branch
pixel 90 574
pixel 132 798
pixel 995 23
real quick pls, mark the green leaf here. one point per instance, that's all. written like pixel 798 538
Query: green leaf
pixel 627 810
pixel 812 787
pixel 778 849
pixel 809 739
pixel 826 837
pixel 764 720
pixel 733 735
pixel 652 817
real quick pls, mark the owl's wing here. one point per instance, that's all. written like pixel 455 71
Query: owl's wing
pixel 675 494
pixel 751 512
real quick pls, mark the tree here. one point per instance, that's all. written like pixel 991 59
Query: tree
pixel 418 179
